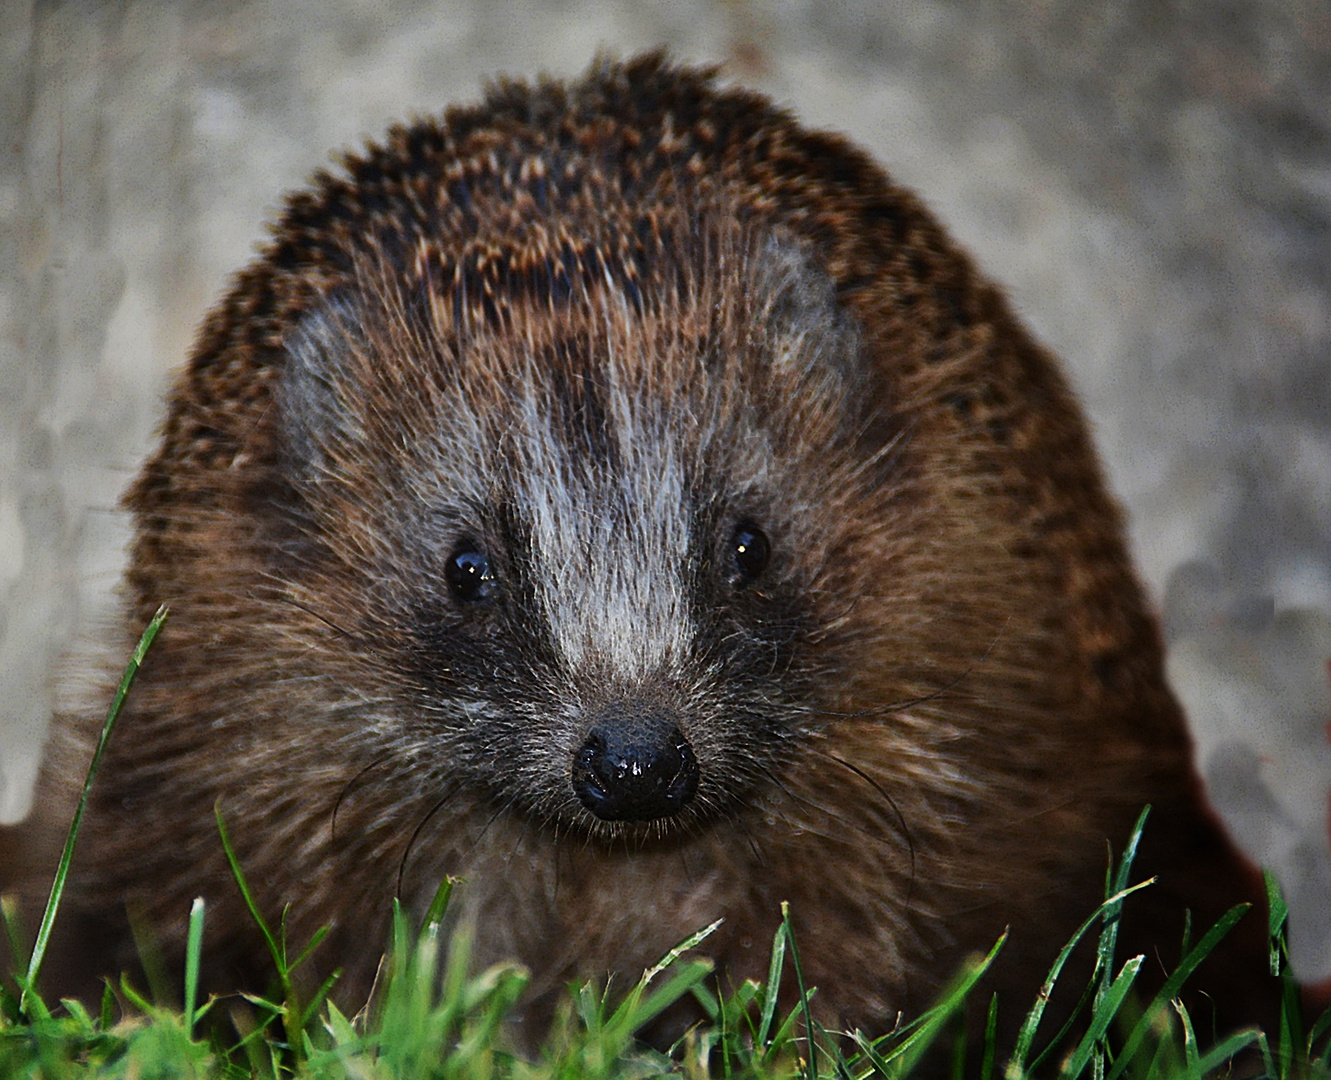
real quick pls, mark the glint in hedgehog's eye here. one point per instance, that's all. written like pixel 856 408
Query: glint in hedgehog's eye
pixel 469 574
pixel 750 552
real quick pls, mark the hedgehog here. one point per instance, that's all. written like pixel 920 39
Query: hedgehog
pixel 626 499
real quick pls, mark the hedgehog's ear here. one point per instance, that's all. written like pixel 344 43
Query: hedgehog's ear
pixel 801 310
pixel 819 357
pixel 318 399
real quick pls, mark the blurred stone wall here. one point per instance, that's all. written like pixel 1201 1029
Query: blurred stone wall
pixel 1151 179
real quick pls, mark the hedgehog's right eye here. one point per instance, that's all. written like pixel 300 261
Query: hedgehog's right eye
pixel 469 574
pixel 750 551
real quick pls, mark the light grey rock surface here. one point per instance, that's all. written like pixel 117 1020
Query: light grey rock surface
pixel 1150 179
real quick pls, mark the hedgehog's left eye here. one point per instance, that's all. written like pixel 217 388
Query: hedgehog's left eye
pixel 468 573
pixel 750 552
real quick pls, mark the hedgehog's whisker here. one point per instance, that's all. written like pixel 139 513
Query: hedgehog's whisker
pixel 416 832
pixel 351 784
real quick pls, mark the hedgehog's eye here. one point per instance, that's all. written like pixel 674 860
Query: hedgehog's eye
pixel 750 551
pixel 469 574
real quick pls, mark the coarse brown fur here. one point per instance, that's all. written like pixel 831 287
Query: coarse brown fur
pixel 587 329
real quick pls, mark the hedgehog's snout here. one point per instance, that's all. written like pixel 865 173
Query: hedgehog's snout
pixel 635 768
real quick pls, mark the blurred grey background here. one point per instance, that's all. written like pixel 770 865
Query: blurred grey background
pixel 1151 179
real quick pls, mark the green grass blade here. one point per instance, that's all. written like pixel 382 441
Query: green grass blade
pixel 33 1003
pixel 879 1064
pixel 1291 1024
pixel 1319 1028
pixel 315 941
pixel 1193 1060
pixel 771 988
pixel 906 1054
pixel 1105 1011
pixel 1225 1050
pixel 684 976
pixel 708 1001
pixel 1276 913
pixel 233 861
pixel 639 1007
pixel 1104 956
pixel 1054 1043
pixel 108 1015
pixel 990 1040
pixel 442 895
pixel 690 942
pixel 812 1073
pixel 1174 984
pixel 67 855
pixel 193 952
pixel 341 1029
pixel 1016 1066
pixel 9 913
pixel 783 1034
pixel 317 1000
pixel 133 996
pixel 959 1044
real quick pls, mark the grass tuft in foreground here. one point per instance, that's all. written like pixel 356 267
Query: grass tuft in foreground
pixel 430 1017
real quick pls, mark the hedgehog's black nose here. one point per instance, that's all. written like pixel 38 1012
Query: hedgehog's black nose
pixel 638 773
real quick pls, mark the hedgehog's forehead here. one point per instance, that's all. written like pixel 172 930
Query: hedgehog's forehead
pixel 595 382
pixel 703 322
pixel 736 344
pixel 574 314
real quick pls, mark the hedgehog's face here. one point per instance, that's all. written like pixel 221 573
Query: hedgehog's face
pixel 595 546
